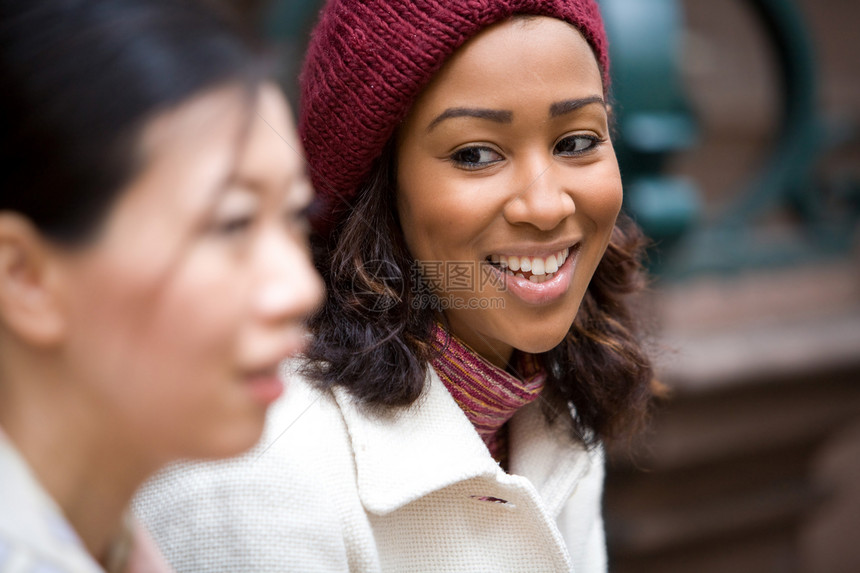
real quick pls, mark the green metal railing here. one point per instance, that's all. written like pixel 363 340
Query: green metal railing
pixel 652 115
pixel 645 43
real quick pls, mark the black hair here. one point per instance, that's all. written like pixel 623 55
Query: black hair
pixel 81 77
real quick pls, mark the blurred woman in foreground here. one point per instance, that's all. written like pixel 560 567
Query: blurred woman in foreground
pixel 153 263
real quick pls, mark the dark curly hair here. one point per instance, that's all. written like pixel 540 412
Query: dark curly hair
pixel 371 337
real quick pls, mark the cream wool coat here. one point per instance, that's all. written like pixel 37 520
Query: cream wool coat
pixel 332 488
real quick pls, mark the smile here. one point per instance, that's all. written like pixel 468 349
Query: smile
pixel 533 285
pixel 534 269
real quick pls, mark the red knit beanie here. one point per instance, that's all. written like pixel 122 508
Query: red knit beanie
pixel 368 61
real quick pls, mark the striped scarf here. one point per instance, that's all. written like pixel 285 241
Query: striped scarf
pixel 488 395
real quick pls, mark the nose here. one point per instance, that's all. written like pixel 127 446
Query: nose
pixel 290 287
pixel 543 196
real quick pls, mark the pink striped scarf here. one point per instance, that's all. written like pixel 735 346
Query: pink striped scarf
pixel 488 395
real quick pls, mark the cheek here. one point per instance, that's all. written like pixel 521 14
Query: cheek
pixel 440 216
pixel 418 217
pixel 162 355
pixel 426 203
pixel 199 310
pixel 419 231
pixel 602 204
pixel 158 325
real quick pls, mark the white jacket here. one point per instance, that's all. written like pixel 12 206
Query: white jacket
pixel 333 488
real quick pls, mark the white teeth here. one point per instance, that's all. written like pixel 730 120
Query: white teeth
pixel 534 279
pixel 520 275
pixel 525 264
pixel 538 266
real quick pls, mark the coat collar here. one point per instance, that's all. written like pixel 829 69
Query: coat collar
pixel 549 457
pixel 432 445
pixel 416 451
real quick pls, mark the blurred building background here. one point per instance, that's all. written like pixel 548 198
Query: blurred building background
pixel 739 139
pixel 753 463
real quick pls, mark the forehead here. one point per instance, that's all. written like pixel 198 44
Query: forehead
pixel 188 149
pixel 272 146
pixel 516 61
pixel 218 135
pixel 191 153
pixel 226 120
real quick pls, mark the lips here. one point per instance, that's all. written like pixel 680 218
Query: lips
pixel 263 380
pixel 537 289
pixel 265 388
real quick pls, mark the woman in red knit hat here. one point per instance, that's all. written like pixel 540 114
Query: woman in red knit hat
pixel 475 350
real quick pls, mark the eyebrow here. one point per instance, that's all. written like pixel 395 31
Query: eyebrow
pixel 497 115
pixel 505 116
pixel 569 105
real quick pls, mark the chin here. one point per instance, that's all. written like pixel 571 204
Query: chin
pixel 542 342
pixel 230 441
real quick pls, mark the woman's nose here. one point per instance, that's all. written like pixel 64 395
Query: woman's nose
pixel 290 288
pixel 543 196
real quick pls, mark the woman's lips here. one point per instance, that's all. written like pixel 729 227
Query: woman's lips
pixel 265 388
pixel 544 292
pixel 263 381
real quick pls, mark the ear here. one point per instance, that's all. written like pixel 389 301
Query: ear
pixel 29 305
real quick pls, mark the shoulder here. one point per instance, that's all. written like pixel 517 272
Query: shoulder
pixel 296 485
pixel 34 534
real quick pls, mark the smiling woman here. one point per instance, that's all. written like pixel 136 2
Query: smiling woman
pixel 154 269
pixel 502 163
pixel 475 349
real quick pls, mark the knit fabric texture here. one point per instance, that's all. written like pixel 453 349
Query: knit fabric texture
pixel 367 62
pixel 488 395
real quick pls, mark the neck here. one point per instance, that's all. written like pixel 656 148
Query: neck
pixel 78 454
pixel 493 351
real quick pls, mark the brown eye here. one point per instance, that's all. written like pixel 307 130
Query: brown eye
pixel 475 157
pixel 576 144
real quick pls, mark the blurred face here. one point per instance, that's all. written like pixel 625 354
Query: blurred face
pixel 197 287
pixel 508 186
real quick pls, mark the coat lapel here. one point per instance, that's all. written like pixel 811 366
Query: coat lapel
pixel 421 449
pixel 432 445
